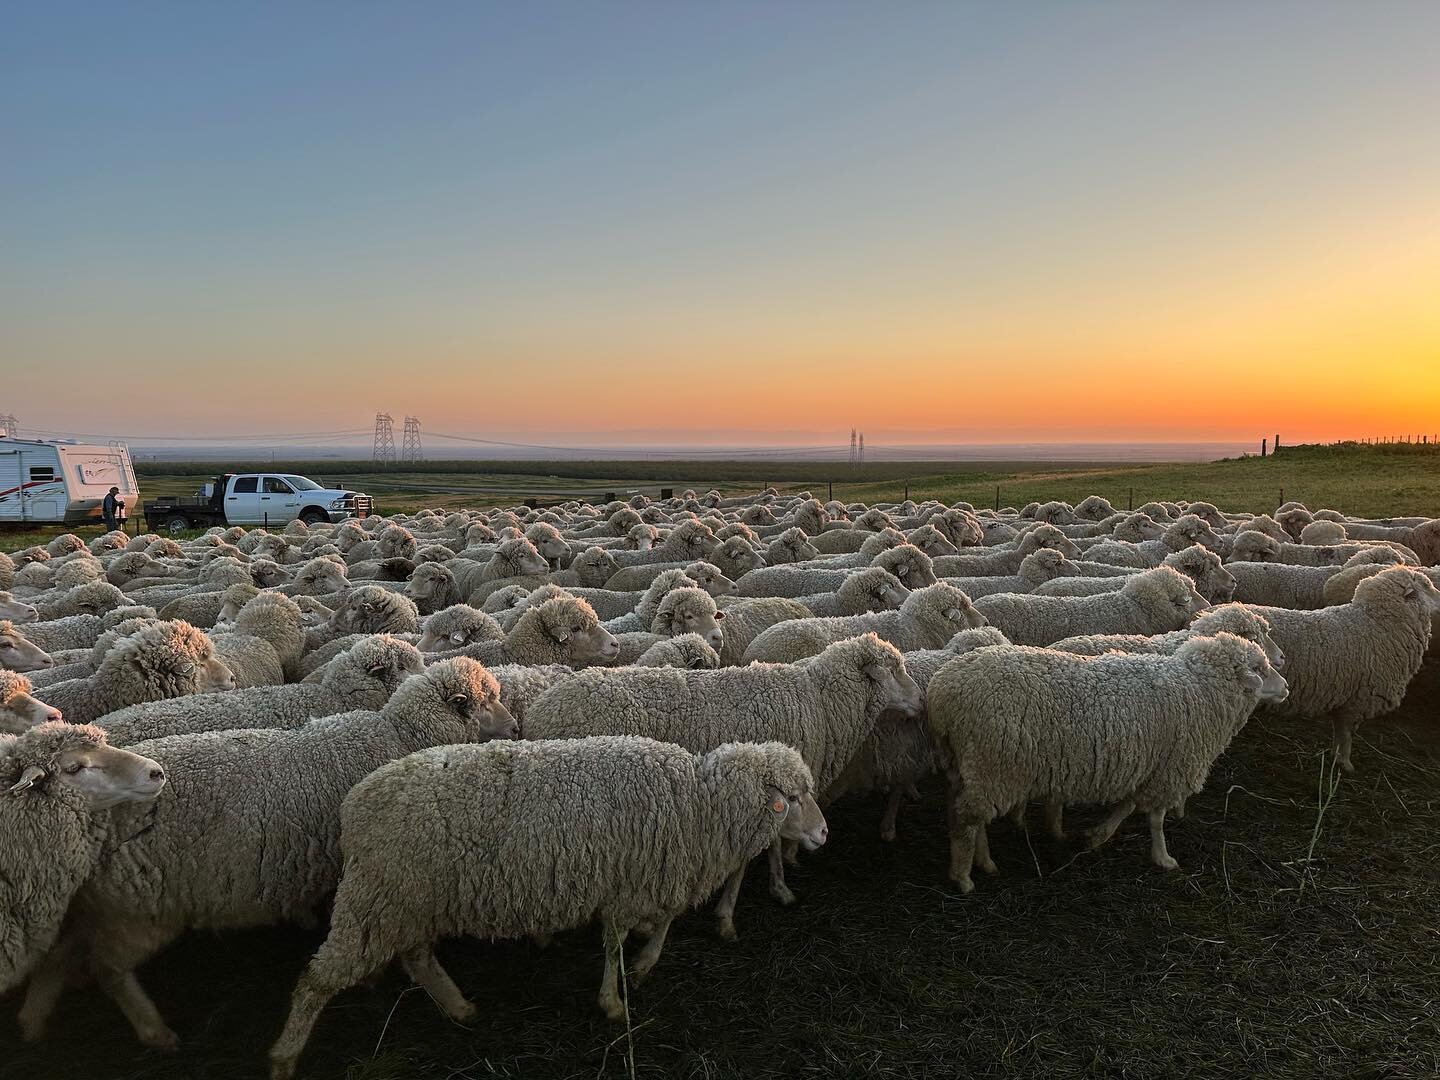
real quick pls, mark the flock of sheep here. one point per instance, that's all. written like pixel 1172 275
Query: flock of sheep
pixel 513 723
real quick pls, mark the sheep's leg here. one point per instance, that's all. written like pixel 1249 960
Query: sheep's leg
pixel 1178 810
pixel 1017 814
pixel 1055 818
pixel 725 910
pixel 47 985
pixel 1106 829
pixel 790 850
pixel 892 811
pixel 125 990
pixel 610 1003
pixel 982 851
pixel 962 841
pixel 650 954
pixel 778 889
pixel 311 996
pixel 1343 726
pixel 422 966
pixel 1158 853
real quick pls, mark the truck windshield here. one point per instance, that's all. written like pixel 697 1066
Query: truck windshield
pixel 301 483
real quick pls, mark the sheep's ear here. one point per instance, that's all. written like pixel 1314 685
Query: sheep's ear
pixel 459 700
pixel 560 634
pixel 1252 680
pixel 457 636
pixel 377 667
pixel 719 615
pixel 953 614
pixel 876 672
pixel 32 775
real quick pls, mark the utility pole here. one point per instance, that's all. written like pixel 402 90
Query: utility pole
pixel 384 439
pixel 862 448
pixel 410 448
pixel 852 446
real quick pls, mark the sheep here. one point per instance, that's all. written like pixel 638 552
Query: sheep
pixel 872 545
pixel 927 619
pixel 264 643
pixel 746 619
pixel 1213 580
pixel 1422 536
pixel 363 677
pixel 697 815
pixel 1353 662
pixel 456 626
pixel 871 589
pixel 164 660
pixel 908 563
pixel 932 541
pixel 590 569
pixel 548 543
pixel 1007 561
pixel 367 609
pixel 13 610
pixel 563 630
pixel 1189 530
pixel 1153 602
pixel 20 710
pixel 324 576
pixel 7 571
pixel 688 611
pixel 1094 508
pixel 898 754
pixel 432 586
pixel 1036 569
pixel 1338 585
pixel 824 706
pixel 1320 533
pixel 1252 546
pixel 1013 723
pixel 93 598
pixel 61 782
pixel 682 651
pixel 735 558
pixel 19 653
pixel 686 542
pixel 515 558
pixel 791 546
pixel 1233 618
pixel 280 857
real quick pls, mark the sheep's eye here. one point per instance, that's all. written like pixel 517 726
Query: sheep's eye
pixel 74 768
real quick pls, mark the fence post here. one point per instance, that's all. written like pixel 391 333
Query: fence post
pixel 830 490
pixel 1282 499
pixel 1262 446
pixel 907 490
pixel 1132 498
pixel 997 498
pixel 266 516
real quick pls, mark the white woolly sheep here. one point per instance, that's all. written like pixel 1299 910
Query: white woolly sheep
pixel 564 630
pixel 871 589
pixel 1013 723
pixel 264 643
pixel 1153 602
pixel 20 710
pixel 19 653
pixel 697 815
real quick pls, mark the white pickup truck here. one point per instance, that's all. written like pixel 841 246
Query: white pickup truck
pixel 257 499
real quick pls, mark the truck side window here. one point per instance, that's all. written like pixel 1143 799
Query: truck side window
pixel 244 485
pixel 275 486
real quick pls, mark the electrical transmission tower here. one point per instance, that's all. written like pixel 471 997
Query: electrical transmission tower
pixel 852 446
pixel 384 439
pixel 410 448
pixel 9 425
pixel 862 448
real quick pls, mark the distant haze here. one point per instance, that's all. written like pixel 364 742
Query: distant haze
pixel 728 225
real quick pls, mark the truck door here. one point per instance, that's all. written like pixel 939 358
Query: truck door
pixel 242 501
pixel 278 501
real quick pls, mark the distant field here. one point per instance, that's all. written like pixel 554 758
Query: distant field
pixel 1373 481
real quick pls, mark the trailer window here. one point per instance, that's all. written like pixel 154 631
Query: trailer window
pixel 244 485
pixel 41 473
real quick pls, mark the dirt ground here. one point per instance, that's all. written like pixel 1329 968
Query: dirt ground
pixel 1297 940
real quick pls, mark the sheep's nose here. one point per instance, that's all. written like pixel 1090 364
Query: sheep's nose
pixel 54 715
pixel 157 774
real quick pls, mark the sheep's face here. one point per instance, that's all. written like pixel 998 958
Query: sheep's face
pixel 19 709
pixel 897 690
pixel 739 556
pixel 641 537
pixel 1169 595
pixel 520 559
pixel 477 704
pixel 429 584
pixel 389 660
pixel 708 577
pixel 105 776
pixel 548 545
pixel 575 628
pixel 215 675
pixel 1254 547
pixel 594 566
pixel 1191 530
pixel 690 611
pixel 13 610
pixel 1400 584
pixel 930 540
pixel 19 654
pixel 1048 536
pixel 801 818
pixel 1215 583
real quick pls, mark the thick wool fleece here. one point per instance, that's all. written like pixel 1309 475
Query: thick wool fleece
pixel 1036 569
pixel 1153 602
pixel 746 619
pixel 1008 560
pixel 264 642
pixel 50 839
pixel 280 856
pixel 1238 619
pixel 363 678
pixel 549 634
pixel 927 619
pixel 871 589
pixel 1014 723
pixel 165 660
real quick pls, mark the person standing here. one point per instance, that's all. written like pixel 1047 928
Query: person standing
pixel 112 509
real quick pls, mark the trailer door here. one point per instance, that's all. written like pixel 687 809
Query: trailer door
pixel 11 486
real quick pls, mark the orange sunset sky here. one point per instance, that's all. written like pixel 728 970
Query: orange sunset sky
pixel 687 224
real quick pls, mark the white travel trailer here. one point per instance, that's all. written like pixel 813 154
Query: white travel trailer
pixel 62 483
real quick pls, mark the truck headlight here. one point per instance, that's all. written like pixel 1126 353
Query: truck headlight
pixel 338 504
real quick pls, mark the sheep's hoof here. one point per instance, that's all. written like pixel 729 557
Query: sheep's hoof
pixel 159 1038
pixel 1167 862
pixel 463 1012
pixel 964 884
pixel 888 835
pixel 640 972
pixel 725 927
pixel 282 1068
pixel 1345 765
pixel 31 1031
pixel 612 1008
pixel 988 866
pixel 782 894
pixel 1058 835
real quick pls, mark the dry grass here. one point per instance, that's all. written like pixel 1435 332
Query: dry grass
pixel 1292 943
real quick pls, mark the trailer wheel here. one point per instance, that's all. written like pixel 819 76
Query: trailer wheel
pixel 313 515
pixel 177 523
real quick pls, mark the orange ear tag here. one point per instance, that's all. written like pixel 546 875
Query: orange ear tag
pixel 778 806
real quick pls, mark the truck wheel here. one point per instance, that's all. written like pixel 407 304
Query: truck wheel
pixel 177 523
pixel 313 515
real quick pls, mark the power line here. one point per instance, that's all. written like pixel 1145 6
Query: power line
pixel 649 451
pixel 251 437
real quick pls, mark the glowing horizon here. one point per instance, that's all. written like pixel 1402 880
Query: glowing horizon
pixel 633 225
